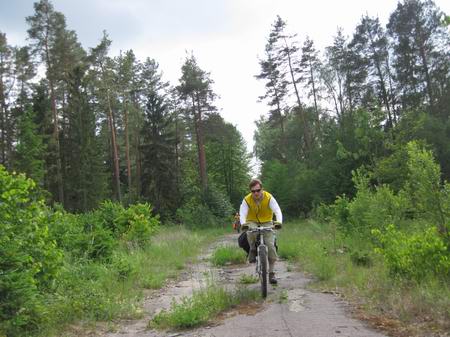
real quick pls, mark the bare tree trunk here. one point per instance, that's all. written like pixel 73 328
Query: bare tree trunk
pixel 3 120
pixel 138 166
pixel 127 148
pixel 59 178
pixel 314 95
pixel 200 142
pixel 114 147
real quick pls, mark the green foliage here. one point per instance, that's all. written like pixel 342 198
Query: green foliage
pixel 424 187
pixel 96 234
pixel 307 249
pixel 228 255
pixel 218 203
pixel 204 305
pixel 227 159
pixel 417 256
pixel 30 148
pixel 292 184
pixel 29 258
pixel 195 214
pixel 405 299
pixel 373 209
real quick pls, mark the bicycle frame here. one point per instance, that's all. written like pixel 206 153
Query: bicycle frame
pixel 262 256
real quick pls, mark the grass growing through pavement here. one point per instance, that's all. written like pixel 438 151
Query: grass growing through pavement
pixel 351 267
pixel 202 306
pixel 248 279
pixel 94 291
pixel 228 255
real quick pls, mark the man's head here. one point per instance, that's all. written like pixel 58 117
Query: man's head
pixel 256 188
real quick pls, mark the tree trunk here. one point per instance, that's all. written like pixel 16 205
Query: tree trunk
pixel 307 135
pixel 112 128
pixel 138 166
pixel 127 148
pixel 3 121
pixel 59 178
pixel 200 142
pixel 314 95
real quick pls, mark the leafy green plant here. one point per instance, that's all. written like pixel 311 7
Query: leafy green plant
pixel 415 256
pixel 29 259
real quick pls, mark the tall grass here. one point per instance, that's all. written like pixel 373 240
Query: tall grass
pixel 92 291
pixel 224 255
pixel 350 266
pixel 202 306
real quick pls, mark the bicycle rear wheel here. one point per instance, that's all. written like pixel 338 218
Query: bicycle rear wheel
pixel 262 252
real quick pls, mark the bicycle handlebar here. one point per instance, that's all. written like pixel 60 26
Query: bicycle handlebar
pixel 276 225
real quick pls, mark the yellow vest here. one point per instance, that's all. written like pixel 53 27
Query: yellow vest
pixel 259 213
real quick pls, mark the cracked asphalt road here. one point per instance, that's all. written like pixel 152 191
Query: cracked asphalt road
pixel 289 310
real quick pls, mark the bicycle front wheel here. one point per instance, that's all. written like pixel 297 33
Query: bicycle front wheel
pixel 262 252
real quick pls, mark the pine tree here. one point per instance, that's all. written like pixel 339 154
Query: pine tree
pixel 102 87
pixel 30 148
pixel 44 25
pixel 195 90
pixel 309 69
pixel 421 49
pixel 370 43
pixel 86 177
pixel 158 156
pixel 6 83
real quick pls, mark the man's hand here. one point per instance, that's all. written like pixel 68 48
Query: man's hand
pixel 277 225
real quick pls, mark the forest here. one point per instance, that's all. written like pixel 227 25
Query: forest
pixel 98 152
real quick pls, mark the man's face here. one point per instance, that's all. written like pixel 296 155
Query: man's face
pixel 256 191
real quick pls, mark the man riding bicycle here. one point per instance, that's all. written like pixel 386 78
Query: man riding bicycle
pixel 257 209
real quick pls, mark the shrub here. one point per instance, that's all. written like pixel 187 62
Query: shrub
pixel 29 258
pixel 95 235
pixel 196 214
pixel 417 256
pixel 141 225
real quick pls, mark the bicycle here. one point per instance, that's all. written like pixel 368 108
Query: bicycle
pixel 262 253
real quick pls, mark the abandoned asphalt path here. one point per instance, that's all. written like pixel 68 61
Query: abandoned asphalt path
pixel 289 310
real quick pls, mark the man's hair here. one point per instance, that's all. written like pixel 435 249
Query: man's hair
pixel 255 182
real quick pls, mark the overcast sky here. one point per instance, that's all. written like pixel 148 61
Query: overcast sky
pixel 226 36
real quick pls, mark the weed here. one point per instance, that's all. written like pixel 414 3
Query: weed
pixel 248 279
pixel 201 307
pixel 283 298
pixel 228 255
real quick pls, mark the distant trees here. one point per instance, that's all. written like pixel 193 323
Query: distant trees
pixel 364 98
pixel 95 126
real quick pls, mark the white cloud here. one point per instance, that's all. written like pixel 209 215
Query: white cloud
pixel 226 36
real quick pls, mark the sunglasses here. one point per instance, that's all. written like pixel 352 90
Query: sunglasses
pixel 254 191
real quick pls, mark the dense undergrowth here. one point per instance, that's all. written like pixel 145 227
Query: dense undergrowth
pixel 58 268
pixel 388 250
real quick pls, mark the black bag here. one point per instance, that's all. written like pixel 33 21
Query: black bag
pixel 243 242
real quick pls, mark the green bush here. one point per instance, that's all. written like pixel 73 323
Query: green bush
pixel 428 196
pixel 374 208
pixel 97 234
pixel 418 256
pixel 29 258
pixel 218 202
pixel 141 225
pixel 196 214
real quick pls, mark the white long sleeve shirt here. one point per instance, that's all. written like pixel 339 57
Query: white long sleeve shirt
pixel 273 204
